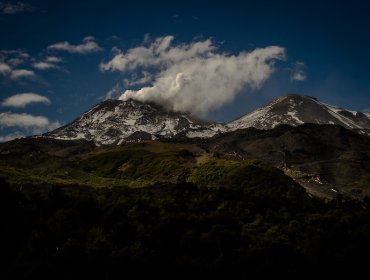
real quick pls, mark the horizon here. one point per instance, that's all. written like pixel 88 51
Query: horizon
pixel 219 61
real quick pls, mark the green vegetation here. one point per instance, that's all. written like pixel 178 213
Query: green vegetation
pixel 149 211
pixel 135 165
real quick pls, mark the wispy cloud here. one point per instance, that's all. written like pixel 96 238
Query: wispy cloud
pixel 298 72
pixel 21 74
pixel 21 100
pixel 175 18
pixel 44 65
pixel 12 9
pixel 88 46
pixel 14 57
pixel 10 59
pixel 115 92
pixel 53 59
pixel 49 62
pixel 194 77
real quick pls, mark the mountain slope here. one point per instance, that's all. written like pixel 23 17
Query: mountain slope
pixel 115 121
pixel 323 158
pixel 297 109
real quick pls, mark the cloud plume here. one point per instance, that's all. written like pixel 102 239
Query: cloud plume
pixel 194 77
pixel 21 100
pixel 298 73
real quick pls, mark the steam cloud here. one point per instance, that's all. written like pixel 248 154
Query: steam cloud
pixel 194 77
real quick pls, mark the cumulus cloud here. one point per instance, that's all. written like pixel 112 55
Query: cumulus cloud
pixel 21 73
pixel 88 46
pixel 298 73
pixel 194 77
pixel 12 9
pixel 40 123
pixel 21 100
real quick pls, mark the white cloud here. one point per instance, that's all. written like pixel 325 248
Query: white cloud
pixel 25 124
pixel 298 76
pixel 21 73
pixel 88 46
pixel 298 73
pixel 15 61
pixel 10 59
pixel 49 62
pixel 26 121
pixel 53 59
pixel 4 68
pixel 44 65
pixel 157 53
pixel 12 9
pixel 13 58
pixel 21 100
pixel 135 80
pixel 20 53
pixel 193 77
pixel 88 39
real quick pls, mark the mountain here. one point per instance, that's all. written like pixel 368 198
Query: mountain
pixel 242 202
pixel 115 121
pixel 324 148
pixel 295 109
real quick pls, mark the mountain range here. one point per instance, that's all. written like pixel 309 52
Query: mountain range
pixel 326 149
pixel 115 121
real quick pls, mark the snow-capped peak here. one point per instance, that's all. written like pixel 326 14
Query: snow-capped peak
pixel 294 109
pixel 112 121
pixel 116 121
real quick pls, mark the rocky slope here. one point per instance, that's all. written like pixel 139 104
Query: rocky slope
pixel 326 159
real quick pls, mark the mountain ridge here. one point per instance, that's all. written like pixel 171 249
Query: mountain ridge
pixel 296 109
pixel 116 121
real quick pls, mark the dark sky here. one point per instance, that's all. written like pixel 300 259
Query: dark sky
pixel 326 45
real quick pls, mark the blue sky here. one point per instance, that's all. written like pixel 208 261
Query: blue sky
pixel 52 55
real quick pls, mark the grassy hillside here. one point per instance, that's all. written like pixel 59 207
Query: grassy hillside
pixel 138 165
pixel 167 210
pixel 134 165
